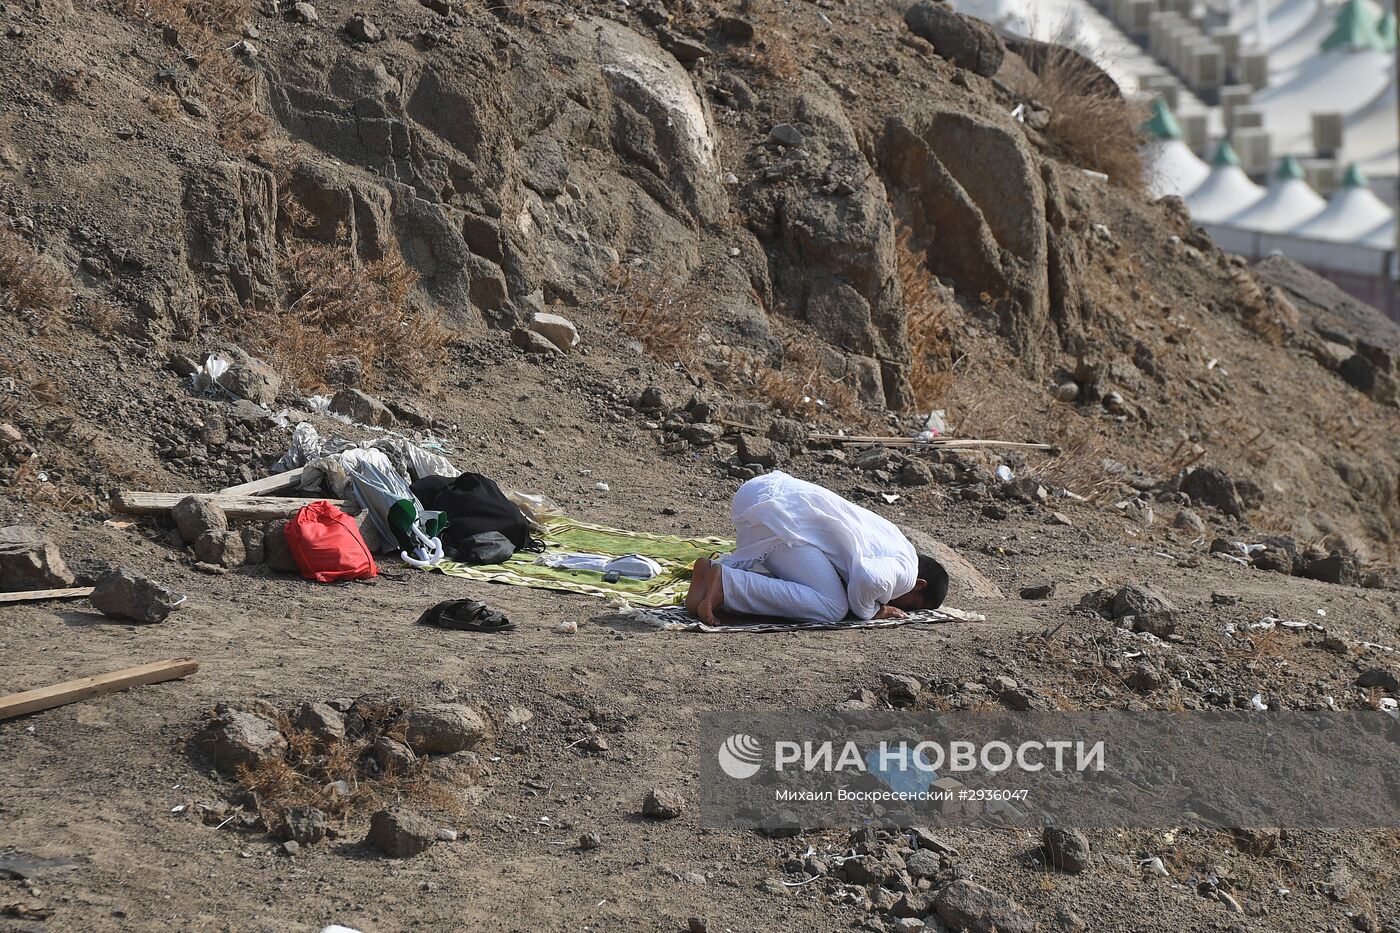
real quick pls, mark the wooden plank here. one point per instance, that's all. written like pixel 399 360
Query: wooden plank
pixel 236 507
pixel 85 688
pixel 257 487
pixel 73 592
pixel 937 442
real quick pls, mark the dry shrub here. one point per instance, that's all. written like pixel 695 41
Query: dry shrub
pixel 337 306
pixel 31 283
pixel 669 323
pixel 931 374
pixel 777 59
pixel 225 85
pixel 1094 127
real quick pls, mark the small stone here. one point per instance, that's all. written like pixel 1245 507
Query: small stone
pixel 394 757
pixel 787 135
pixel 1038 591
pixel 589 841
pixel 964 40
pixel 247 376
pixel 1380 678
pixel 922 863
pixel 400 833
pixel 361 29
pixel 697 925
pixel 735 27
pixel 651 399
pixel 965 905
pixel 1188 520
pixel 123 594
pixel 531 342
pixel 291 847
pixel 557 329
pixel 304 12
pixel 321 721
pixel 701 435
pixel 275 548
pixel 443 728
pixel 1060 518
pixel 1066 849
pixel 759 450
pixel 305 825
pixel 1336 567
pixel 775 887
pixel 995 512
pixel 197 516
pixel 1067 921
pixel 915 473
pixel 663 804
pixel 1066 392
pixel 362 408
pixel 238 738
pixel 447 835
pixel 901 688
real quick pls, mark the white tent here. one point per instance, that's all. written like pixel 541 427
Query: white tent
pixel 1226 191
pixel 1338 80
pixel 1383 237
pixel 1352 213
pixel 1172 167
pixel 1289 202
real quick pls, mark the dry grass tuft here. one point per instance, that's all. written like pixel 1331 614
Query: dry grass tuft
pixel 669 323
pixel 31 283
pixel 931 367
pixel 337 306
pixel 1094 128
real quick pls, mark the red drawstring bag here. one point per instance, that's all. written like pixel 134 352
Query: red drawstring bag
pixel 327 545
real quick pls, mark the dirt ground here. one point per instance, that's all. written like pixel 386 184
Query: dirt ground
pixel 98 783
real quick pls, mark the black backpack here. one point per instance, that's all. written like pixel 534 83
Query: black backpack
pixel 474 505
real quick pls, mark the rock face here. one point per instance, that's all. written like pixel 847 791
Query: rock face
pixel 964 40
pixel 989 220
pixel 240 738
pixel 964 905
pixel 400 833
pixel 123 594
pixel 443 728
pixel 30 561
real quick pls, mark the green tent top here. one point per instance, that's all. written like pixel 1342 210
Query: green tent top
pixel 1355 178
pixel 1390 35
pixel 1225 155
pixel 1162 125
pixel 1289 168
pixel 1354 29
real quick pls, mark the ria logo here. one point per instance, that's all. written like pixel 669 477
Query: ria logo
pixel 741 756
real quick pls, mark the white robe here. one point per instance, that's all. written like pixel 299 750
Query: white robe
pixel 871 555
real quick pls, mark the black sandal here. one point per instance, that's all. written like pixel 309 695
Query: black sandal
pixel 466 615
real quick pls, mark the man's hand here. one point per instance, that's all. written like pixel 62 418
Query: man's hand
pixel 890 612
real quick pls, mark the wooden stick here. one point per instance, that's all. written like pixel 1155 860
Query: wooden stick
pixel 915 442
pixel 71 691
pixel 237 507
pixel 25 596
pixel 257 487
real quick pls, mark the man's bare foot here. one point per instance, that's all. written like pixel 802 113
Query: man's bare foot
pixel 700 575
pixel 713 598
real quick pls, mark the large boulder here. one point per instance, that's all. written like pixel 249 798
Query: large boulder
pixel 30 561
pixel 362 408
pixel 964 40
pixel 964 580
